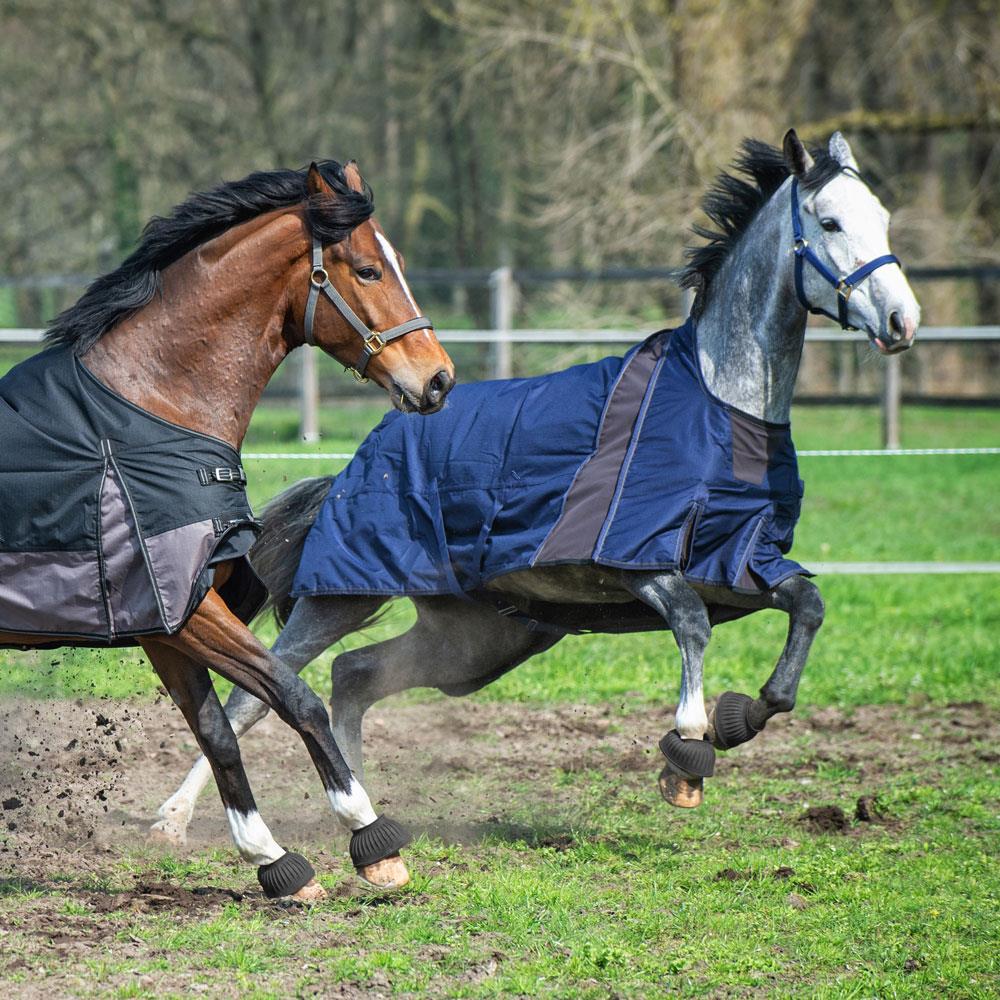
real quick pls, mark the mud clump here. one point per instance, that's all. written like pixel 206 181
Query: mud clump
pixel 825 819
pixel 732 875
pixel 868 810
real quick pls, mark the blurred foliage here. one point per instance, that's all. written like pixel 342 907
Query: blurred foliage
pixel 573 132
pixel 565 133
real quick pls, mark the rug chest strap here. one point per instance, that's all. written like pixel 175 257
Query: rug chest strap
pixel 222 474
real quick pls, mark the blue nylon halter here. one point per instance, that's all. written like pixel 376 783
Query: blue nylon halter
pixel 844 286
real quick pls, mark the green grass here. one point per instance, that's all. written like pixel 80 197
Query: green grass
pixel 630 902
pixel 735 899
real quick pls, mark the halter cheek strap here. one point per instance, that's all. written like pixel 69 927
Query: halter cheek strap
pixel 319 281
pixel 844 286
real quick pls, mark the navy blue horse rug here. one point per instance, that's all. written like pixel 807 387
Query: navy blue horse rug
pixel 111 519
pixel 628 462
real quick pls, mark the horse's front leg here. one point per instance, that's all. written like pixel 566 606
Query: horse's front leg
pixel 690 757
pixel 315 624
pixel 214 637
pixel 280 873
pixel 737 718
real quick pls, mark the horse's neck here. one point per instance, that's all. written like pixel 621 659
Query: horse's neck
pixel 751 327
pixel 200 353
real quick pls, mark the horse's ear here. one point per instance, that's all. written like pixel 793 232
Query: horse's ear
pixel 840 150
pixel 797 157
pixel 316 182
pixel 353 176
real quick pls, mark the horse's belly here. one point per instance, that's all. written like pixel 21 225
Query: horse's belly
pixel 563 585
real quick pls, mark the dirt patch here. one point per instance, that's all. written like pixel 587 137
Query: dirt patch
pixel 80 783
pixel 84 779
pixel 825 819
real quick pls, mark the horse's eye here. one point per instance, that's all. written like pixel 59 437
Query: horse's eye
pixel 830 225
pixel 369 273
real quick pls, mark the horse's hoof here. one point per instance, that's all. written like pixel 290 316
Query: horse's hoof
pixel 389 873
pixel 311 892
pixel 685 793
pixel 167 833
pixel 730 720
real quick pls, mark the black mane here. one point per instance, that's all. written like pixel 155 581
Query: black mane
pixel 732 203
pixel 113 297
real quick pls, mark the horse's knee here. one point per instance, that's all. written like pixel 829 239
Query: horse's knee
pixel 802 600
pixel 810 609
pixel 311 711
pixel 350 672
pixel 218 740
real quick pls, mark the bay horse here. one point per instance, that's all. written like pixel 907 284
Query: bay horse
pixel 785 233
pixel 160 365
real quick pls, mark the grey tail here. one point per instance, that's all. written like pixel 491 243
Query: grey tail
pixel 286 521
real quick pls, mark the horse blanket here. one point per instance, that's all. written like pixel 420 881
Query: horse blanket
pixel 628 462
pixel 111 518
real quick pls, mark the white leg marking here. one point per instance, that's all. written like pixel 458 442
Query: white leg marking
pixel 691 719
pixel 252 838
pixel 353 808
pixel 390 255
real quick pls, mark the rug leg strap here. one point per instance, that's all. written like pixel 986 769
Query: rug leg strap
pixel 285 876
pixel 381 839
pixel 688 758
pixel 732 720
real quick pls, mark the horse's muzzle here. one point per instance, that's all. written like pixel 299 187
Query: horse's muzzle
pixel 437 388
pixel 899 334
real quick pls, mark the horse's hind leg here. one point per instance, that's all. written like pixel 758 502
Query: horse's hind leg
pixel 280 873
pixel 214 637
pixel 737 718
pixel 314 625
pixel 690 758
pixel 454 645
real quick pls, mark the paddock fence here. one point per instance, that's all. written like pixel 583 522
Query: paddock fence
pixel 501 340
pixel 499 294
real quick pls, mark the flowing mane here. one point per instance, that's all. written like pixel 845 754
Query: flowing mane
pixel 732 203
pixel 118 294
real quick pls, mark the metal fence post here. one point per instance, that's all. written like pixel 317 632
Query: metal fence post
pixel 308 395
pixel 502 318
pixel 892 392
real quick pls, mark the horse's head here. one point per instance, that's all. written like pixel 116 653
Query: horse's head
pixel 843 233
pixel 359 307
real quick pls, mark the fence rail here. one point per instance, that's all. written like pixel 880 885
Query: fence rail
pixel 504 335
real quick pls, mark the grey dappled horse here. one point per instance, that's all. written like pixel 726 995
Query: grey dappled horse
pixel 753 292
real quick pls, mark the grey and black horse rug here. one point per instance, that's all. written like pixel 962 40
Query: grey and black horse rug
pixel 111 519
pixel 628 462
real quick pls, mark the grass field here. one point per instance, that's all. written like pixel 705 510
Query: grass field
pixel 575 880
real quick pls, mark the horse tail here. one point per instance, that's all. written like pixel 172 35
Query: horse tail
pixel 275 556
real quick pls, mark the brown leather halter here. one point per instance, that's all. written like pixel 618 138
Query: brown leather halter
pixel 319 281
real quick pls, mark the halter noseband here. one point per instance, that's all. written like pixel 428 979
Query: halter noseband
pixel 319 281
pixel 844 286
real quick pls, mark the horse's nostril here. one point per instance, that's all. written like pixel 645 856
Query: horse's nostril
pixel 438 386
pixel 896 325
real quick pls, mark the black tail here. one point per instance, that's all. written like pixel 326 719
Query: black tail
pixel 275 556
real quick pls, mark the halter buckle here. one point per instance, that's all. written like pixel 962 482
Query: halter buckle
pixel 319 282
pixel 800 246
pixel 374 344
pixel 844 289
pixel 358 377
